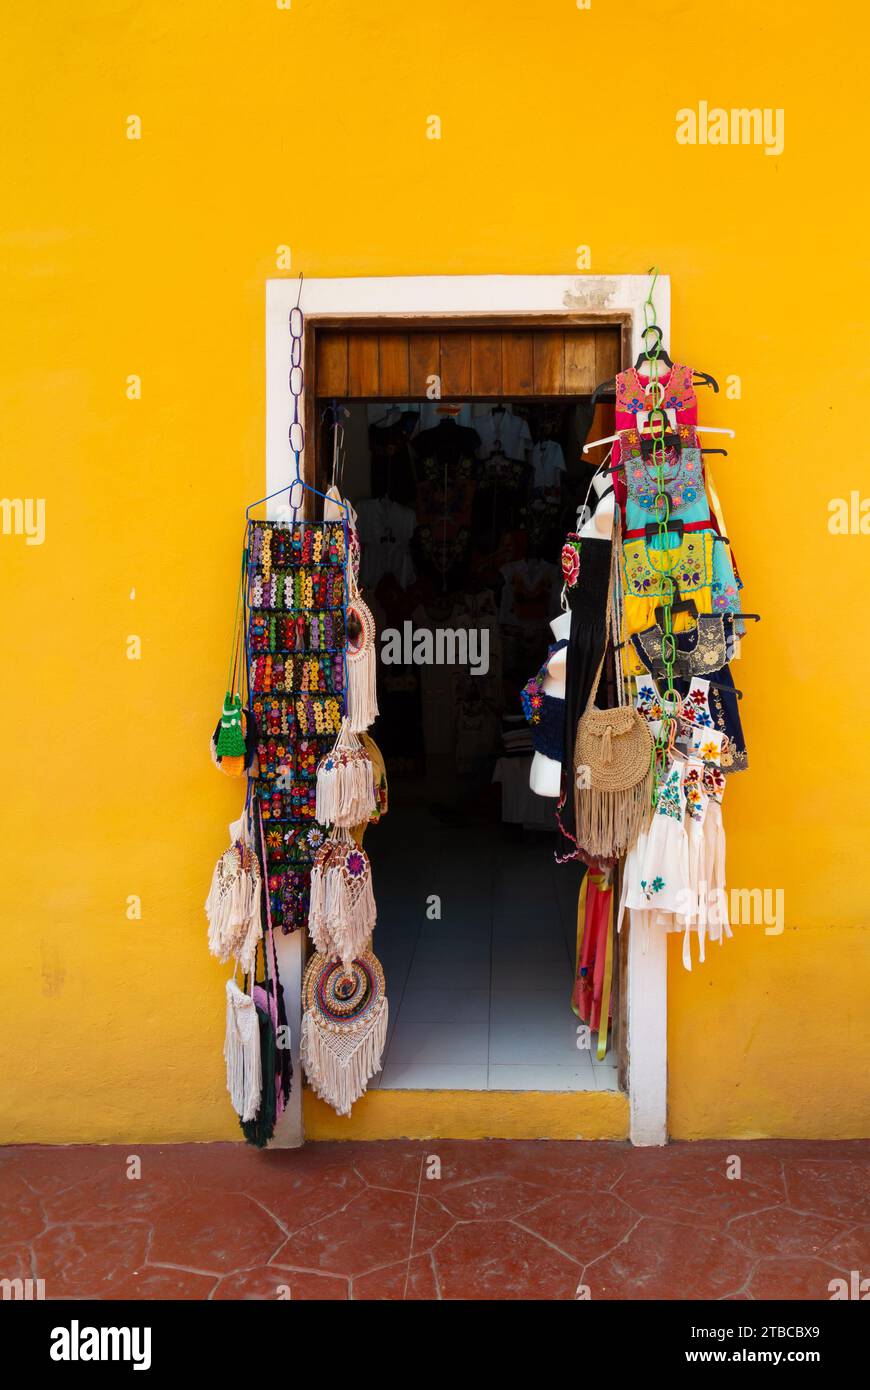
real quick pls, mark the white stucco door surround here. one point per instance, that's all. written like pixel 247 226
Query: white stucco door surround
pixel 470 294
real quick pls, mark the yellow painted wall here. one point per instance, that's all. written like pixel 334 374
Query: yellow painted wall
pixel 262 126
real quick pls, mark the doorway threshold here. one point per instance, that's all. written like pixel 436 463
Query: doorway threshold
pixel 418 1114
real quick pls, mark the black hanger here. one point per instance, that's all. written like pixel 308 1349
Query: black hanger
pixel 699 378
pixel 385 419
pixel 674 526
pixel 661 355
pixel 683 605
pixel 650 443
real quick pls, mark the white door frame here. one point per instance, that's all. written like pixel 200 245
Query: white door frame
pixel 464 294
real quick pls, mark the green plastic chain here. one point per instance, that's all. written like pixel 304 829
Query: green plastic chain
pixel 657 423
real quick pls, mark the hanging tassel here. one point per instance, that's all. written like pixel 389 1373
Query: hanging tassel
pixel 342 912
pixel 242 1053
pixel 344 1027
pixel 362 691
pixel 609 822
pixel 339 1077
pixel 345 782
pixel 261 1128
pixel 233 903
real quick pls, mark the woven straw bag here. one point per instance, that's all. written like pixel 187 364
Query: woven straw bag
pixel 613 771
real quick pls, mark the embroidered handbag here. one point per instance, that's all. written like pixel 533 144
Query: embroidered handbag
pixel 344 1027
pixel 613 771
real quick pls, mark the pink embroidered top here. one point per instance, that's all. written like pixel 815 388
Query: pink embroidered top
pixel 633 395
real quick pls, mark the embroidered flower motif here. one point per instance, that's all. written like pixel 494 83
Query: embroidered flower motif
pixel 570 563
pixel 709 751
pixel 355 864
pixel 657 884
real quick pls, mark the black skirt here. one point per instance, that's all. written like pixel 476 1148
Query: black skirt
pixel 587 603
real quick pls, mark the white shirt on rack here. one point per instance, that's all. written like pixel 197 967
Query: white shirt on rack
pixel 502 432
pixel 548 462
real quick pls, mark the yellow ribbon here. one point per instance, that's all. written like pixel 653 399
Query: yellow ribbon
pixel 581 927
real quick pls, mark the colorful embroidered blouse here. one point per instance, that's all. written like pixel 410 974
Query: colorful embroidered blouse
pixel 700 567
pixel 682 479
pixel 545 713
pixel 699 652
pixel 633 396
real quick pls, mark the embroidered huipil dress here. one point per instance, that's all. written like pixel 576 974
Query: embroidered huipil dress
pixel 716 903
pixel 655 882
pixel 706 912
pixel 698 559
pixel 699 565
pixel 710 722
pixel 634 398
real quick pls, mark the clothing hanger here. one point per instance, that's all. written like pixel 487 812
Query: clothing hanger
pixel 293 506
pixel 683 605
pixel 658 350
pixel 702 429
pixel 609 386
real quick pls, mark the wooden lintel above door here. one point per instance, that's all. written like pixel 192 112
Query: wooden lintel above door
pixel 486 360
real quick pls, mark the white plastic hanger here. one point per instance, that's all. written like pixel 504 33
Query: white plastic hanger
pixel 702 429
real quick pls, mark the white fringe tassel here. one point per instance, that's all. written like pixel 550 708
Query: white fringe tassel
pixel 362 672
pixel 233 911
pixel 338 1063
pixel 342 912
pixel 242 1053
pixel 345 791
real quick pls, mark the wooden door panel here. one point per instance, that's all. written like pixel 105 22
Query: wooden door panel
pixel 394 364
pixel 363 359
pixel 580 377
pixel 486 364
pixel 518 364
pixel 489 362
pixel 548 361
pixel 455 364
pixel 331 364
pixel 424 354
pixel 606 356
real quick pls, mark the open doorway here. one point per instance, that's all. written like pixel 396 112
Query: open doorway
pixel 370 306
pixel 459 446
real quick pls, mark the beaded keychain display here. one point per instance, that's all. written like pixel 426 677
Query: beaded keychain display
pixel 297 594
pixel 297 666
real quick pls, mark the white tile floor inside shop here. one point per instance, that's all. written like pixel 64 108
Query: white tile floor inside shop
pixel 480 999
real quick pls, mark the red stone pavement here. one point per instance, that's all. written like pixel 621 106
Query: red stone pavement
pixel 506 1219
